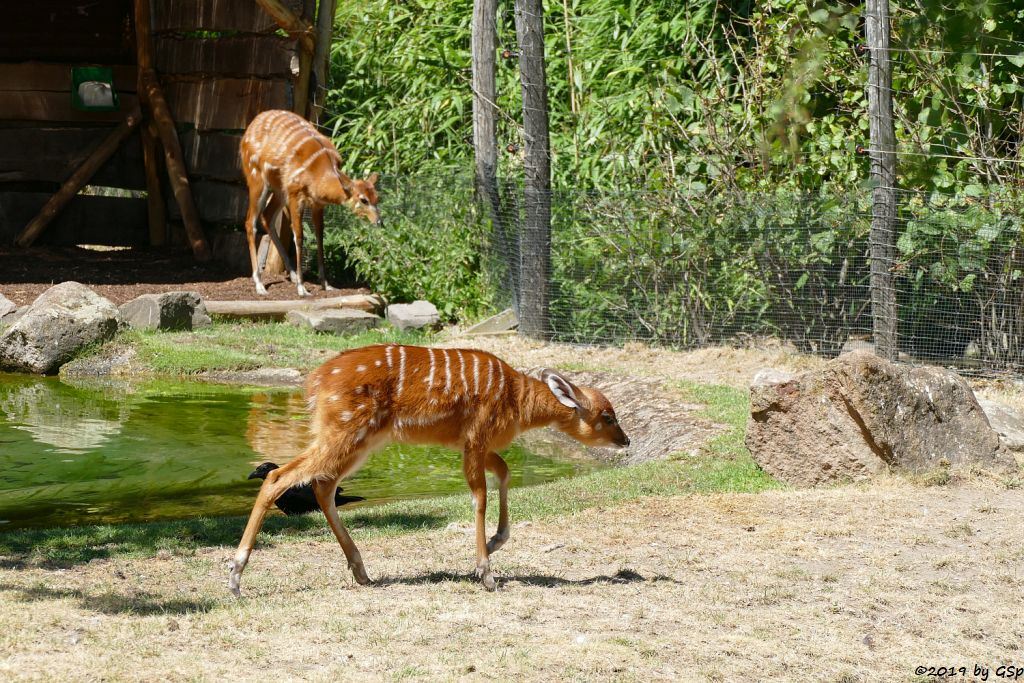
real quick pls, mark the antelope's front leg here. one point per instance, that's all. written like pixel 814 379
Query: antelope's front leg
pixel 473 468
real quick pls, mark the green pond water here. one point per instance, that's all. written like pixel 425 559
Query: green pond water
pixel 101 453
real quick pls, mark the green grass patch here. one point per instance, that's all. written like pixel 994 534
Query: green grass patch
pixel 76 545
pixel 247 345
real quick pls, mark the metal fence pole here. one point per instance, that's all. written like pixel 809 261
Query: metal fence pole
pixel 883 175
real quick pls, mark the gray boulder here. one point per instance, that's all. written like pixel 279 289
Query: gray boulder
pixel 334 321
pixel 860 415
pixel 6 306
pixel 167 311
pixel 58 324
pixel 412 316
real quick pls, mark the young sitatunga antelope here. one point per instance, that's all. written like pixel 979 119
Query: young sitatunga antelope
pixel 464 399
pixel 299 500
pixel 289 164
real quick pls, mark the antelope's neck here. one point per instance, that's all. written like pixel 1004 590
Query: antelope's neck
pixel 538 406
pixel 330 190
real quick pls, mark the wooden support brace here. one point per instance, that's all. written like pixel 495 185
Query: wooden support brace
pixel 176 166
pixel 301 30
pixel 79 178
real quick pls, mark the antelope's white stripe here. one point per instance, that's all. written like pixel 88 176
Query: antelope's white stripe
pixel 447 372
pixel 490 375
pixel 430 376
pixel 501 384
pixel 308 162
pixel 476 374
pixel 462 372
pixel 387 355
pixel 401 369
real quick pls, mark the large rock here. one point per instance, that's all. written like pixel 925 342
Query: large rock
pixel 412 316
pixel 58 324
pixel 1007 422
pixel 167 311
pixel 860 415
pixel 337 321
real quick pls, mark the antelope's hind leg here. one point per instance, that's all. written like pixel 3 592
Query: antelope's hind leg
pixel 496 464
pixel 324 492
pixel 276 483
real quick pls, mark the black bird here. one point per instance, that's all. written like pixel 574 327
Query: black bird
pixel 298 500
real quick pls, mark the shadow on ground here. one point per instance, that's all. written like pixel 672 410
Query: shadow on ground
pixel 139 603
pixel 623 576
pixel 70 546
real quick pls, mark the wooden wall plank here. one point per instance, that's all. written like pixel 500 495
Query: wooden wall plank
pixel 224 103
pixel 56 106
pixel 212 155
pixel 111 221
pixel 265 56
pixel 49 153
pixel 33 76
pixel 217 202
pixel 244 16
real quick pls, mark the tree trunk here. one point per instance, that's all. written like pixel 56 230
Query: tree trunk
pixel 535 236
pixel 883 175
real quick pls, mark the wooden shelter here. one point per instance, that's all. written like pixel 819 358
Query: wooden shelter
pixel 160 164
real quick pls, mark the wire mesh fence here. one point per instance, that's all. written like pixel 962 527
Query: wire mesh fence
pixel 682 271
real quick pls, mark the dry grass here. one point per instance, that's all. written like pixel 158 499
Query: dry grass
pixel 843 584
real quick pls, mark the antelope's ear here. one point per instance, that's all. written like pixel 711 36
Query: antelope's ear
pixel 373 178
pixel 562 388
pixel 346 183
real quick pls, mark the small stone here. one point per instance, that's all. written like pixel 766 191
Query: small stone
pixel 416 315
pixel 167 311
pixel 336 321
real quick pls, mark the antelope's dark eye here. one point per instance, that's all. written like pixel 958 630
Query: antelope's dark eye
pixel 608 418
pixel 364 200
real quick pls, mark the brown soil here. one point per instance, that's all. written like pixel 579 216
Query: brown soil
pixel 123 274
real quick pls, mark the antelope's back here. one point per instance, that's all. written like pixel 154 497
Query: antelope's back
pixel 418 394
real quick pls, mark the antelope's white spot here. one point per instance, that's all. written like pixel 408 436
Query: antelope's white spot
pixel 334 397
pixel 360 368
pixel 346 415
pixel 361 434
pixel 377 363
pixel 359 390
pixel 335 371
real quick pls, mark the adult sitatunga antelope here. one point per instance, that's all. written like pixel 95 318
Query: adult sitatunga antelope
pixel 465 399
pixel 288 164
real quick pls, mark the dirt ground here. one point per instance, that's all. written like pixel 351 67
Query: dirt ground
pixel 849 584
pixel 123 274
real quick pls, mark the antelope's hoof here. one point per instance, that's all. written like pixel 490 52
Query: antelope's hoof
pixel 235 581
pixel 359 572
pixel 489 583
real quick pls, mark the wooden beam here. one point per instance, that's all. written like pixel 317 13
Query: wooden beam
pixel 176 166
pixel 156 212
pixel 79 178
pixel 300 30
pixel 278 309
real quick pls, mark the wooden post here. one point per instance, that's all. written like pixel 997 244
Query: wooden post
pixel 485 136
pixel 150 141
pixel 535 236
pixel 176 166
pixel 155 207
pixel 882 238
pixel 79 178
pixel 322 56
